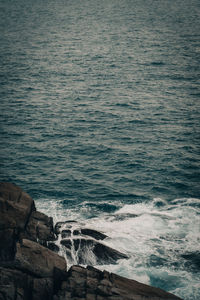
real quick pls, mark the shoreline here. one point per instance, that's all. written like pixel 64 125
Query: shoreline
pixel 30 270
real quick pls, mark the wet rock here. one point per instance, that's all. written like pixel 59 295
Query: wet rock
pixel 93 233
pixel 76 232
pixel 65 233
pixel 101 253
pixel 53 247
pixel 67 243
pixel 59 226
pixel 107 254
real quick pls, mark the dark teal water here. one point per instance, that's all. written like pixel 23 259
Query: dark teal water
pixel 100 117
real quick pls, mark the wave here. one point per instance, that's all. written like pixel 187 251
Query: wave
pixel 160 237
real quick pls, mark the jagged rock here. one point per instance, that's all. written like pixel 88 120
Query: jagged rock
pixel 84 247
pixel 91 284
pixel 59 226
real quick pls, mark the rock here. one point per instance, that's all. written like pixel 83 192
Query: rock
pixel 30 271
pixel 93 233
pixel 90 283
pixel 88 248
pixel 60 225
pixel 44 259
pixel 16 207
pixel 15 284
pixel 27 269
pixel 65 233
pixel 40 228
pixel 67 243
pixel 53 247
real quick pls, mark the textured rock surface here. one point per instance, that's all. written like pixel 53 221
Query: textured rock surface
pixel 40 228
pixel 31 271
pixel 92 284
pixel 27 269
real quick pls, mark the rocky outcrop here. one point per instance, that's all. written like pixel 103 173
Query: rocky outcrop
pixel 84 245
pixel 92 284
pixel 30 270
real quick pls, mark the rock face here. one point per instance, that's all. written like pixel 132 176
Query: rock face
pixel 30 270
pixel 92 284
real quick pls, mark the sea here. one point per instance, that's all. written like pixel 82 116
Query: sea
pixel 100 123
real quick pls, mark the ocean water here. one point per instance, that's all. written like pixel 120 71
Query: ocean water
pixel 100 123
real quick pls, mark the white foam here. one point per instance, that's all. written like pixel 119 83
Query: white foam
pixel 148 232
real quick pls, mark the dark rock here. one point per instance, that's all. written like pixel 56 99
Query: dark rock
pixel 13 282
pixel 76 232
pixel 42 288
pixel 65 233
pixel 40 228
pixel 93 233
pixel 91 284
pixel 103 254
pixel 53 247
pixel 67 243
pixel 15 209
pixel 60 225
pixel 107 254
pixel 44 259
